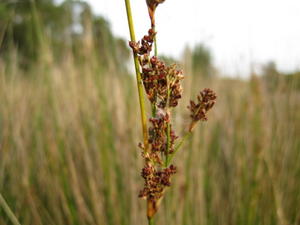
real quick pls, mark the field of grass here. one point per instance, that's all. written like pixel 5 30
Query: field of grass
pixel 69 155
pixel 70 128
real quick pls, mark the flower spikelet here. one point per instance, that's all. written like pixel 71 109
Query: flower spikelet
pixel 206 100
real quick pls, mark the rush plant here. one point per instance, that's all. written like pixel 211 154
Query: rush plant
pixel 162 85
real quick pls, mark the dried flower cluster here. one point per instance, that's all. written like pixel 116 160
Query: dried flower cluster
pixel 156 181
pixel 162 84
pixel 163 89
pixel 206 100
pixel 158 139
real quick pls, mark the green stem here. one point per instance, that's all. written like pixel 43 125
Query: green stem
pixel 153 110
pixel 2 33
pixel 169 123
pixel 8 211
pixel 168 143
pixel 138 77
pixel 177 147
pixel 155 46
pixel 155 54
pixel 155 42
pixel 150 221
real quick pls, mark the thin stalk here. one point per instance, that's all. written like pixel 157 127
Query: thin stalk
pixel 155 45
pixel 168 143
pixel 8 211
pixel 138 77
pixel 151 221
pixel 139 85
pixel 168 125
pixel 155 54
pixel 3 32
pixel 178 146
pixel 153 110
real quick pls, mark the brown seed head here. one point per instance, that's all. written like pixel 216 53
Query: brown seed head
pixel 206 100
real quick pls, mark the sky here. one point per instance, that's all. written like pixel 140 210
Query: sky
pixel 239 33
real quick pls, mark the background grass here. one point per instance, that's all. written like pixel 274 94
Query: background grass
pixel 69 151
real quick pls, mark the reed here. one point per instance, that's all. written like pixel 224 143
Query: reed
pixel 8 211
pixel 163 88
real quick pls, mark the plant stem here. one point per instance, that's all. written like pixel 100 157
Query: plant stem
pixel 150 221
pixel 138 78
pixel 169 122
pixel 8 211
pixel 155 45
pixel 178 146
pixel 168 143
pixel 155 54
pixel 153 110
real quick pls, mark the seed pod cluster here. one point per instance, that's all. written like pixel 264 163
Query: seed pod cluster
pixel 156 181
pixel 206 100
pixel 162 85
pixel 161 82
pixel 158 139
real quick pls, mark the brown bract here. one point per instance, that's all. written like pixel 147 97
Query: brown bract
pixel 152 4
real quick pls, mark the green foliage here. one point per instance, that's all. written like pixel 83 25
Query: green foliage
pixel 275 79
pixel 202 61
pixel 32 27
pixel 271 75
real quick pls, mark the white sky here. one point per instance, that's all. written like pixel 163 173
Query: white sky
pixel 238 32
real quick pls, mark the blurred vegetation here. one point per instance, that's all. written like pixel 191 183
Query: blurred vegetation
pixel 202 61
pixel 69 130
pixel 275 79
pixel 32 26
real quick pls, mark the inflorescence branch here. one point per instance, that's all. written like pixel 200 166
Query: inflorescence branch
pixel 162 84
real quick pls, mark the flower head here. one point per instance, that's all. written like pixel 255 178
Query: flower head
pixel 206 100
